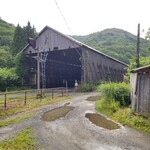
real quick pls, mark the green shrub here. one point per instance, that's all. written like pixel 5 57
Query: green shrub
pixel 116 91
pixel 86 87
pixel 107 106
pixel 8 78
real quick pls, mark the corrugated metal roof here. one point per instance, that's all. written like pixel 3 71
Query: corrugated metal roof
pixel 75 41
pixel 140 69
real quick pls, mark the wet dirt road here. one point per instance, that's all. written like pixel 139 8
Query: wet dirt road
pixel 76 132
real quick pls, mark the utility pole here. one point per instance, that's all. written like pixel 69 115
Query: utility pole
pixel 32 42
pixel 138 47
pixel 41 60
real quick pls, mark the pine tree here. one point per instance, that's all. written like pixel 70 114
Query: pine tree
pixel 29 31
pixel 17 43
pixel 21 36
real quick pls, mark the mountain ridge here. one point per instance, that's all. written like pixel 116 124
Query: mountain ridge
pixel 115 42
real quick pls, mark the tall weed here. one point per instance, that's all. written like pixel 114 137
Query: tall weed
pixel 86 87
pixel 107 106
pixel 116 91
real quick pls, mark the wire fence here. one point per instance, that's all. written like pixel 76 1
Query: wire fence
pixel 21 98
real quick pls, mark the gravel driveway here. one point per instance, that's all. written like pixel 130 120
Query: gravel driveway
pixel 75 132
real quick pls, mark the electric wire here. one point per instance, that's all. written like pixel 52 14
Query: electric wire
pixel 63 17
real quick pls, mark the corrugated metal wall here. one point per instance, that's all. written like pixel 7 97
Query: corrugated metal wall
pixel 140 92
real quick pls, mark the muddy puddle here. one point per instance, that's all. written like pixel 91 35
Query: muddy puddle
pixel 57 113
pixel 101 121
pixel 93 98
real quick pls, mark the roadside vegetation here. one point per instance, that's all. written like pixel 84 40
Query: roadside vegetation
pixel 15 119
pixel 86 87
pixel 23 140
pixel 114 102
pixel 31 104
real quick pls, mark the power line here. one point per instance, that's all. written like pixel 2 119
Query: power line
pixel 63 17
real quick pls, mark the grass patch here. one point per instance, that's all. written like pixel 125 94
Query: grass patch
pixel 137 121
pixel 14 119
pixel 9 98
pixel 1 100
pixel 31 104
pixel 18 88
pixel 123 115
pixel 107 106
pixel 24 140
pixel 117 91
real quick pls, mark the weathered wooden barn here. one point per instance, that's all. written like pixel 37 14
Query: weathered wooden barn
pixel 61 58
pixel 140 89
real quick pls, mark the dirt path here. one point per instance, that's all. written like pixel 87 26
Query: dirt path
pixel 76 132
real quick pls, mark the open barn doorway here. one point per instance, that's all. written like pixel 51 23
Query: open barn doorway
pixel 62 66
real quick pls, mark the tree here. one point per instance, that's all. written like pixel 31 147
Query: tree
pixel 6 59
pixel 8 78
pixel 143 62
pixel 21 65
pixel 147 36
pixel 21 36
pixel 28 31
pixel 18 42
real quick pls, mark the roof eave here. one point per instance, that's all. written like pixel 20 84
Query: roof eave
pixel 140 69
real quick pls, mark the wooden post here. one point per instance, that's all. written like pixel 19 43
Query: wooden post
pixel 5 103
pixel 52 94
pixel 25 98
pixel 62 92
pixel 66 88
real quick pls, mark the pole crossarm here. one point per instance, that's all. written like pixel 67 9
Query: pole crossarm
pixel 41 59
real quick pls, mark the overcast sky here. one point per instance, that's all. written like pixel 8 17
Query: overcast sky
pixel 82 16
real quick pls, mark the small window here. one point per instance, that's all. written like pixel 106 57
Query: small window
pixel 30 52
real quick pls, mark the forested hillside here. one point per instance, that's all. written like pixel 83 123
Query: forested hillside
pixel 12 40
pixel 6 38
pixel 116 43
pixel 6 33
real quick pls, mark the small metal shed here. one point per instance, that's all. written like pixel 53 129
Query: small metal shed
pixel 140 89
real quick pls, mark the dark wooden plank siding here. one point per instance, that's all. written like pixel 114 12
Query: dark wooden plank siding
pixel 50 40
pixel 99 67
